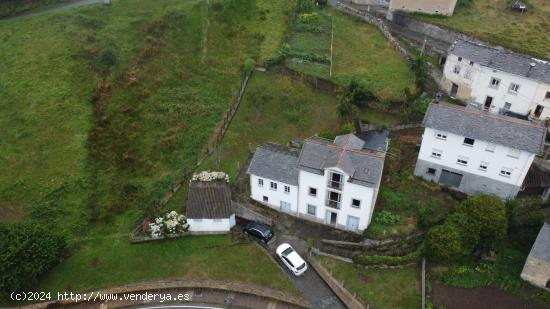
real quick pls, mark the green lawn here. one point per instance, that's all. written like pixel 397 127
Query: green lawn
pixel 361 51
pixel 103 109
pixel 380 288
pixel 493 22
pixel 106 262
pixel 284 110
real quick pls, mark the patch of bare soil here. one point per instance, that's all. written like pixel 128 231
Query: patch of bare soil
pixel 477 298
pixel 10 212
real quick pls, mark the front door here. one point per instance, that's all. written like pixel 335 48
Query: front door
pixel 454 90
pixel 538 111
pixel 285 206
pixel 488 102
pixel 330 217
pixel 450 179
pixel 352 224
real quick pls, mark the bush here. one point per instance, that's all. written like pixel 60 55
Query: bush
pixel 107 58
pixel 249 65
pixel 386 218
pixel 487 214
pixel 309 22
pixel 431 215
pixel 304 6
pixel 27 250
pixel 388 259
pixel 444 243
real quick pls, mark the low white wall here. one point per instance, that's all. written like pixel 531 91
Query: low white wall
pixel 211 225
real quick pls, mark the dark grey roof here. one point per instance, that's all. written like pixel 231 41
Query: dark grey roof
pixel 275 162
pixel 477 124
pixel 347 153
pixel 375 140
pixel 541 247
pixel 503 60
pixel 208 200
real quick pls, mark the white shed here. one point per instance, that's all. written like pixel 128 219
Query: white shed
pixel 208 208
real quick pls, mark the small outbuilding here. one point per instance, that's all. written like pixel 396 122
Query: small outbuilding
pixel 208 208
pixel 537 267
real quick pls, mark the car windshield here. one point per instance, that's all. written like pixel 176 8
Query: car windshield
pixel 301 266
pixel 287 251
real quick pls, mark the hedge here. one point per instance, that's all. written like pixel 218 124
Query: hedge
pixel 388 259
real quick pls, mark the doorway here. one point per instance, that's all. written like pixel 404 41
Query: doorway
pixel 454 90
pixel 538 111
pixel 330 217
pixel 450 179
pixel 488 103
pixel 352 224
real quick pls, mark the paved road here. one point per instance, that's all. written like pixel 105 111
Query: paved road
pixel 53 8
pixel 310 283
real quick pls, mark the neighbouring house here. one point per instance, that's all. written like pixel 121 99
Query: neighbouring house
pixel 436 7
pixel 537 267
pixel 382 3
pixel 475 151
pixel 498 80
pixel 208 208
pixel 331 182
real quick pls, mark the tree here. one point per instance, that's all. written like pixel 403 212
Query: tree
pixel 444 243
pixel 420 70
pixel 27 250
pixel 487 217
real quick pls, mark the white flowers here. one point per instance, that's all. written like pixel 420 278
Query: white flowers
pixel 210 176
pixel 170 224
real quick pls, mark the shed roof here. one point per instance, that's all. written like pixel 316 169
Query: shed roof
pixel 208 200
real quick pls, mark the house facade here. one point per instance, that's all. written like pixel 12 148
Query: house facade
pixel 208 209
pixel 438 7
pixel 498 80
pixel 474 151
pixel 331 182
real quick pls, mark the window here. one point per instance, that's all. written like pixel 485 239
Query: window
pixel 469 141
pixel 459 59
pixel 514 153
pixel 260 182
pixel 273 186
pixel 462 160
pixel 436 153
pixel 355 203
pixel 287 189
pixel 483 165
pixel 513 89
pixel 311 209
pixel 494 83
pixel 431 171
pixel 312 191
pixel 506 172
pixel 471 63
pixel 440 135
pixel 456 69
pixel 547 97
pixel 490 147
pixel 266 198
pixel 335 181
pixel 507 106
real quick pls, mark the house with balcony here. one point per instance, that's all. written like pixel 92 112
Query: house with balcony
pixel 331 182
pixel 475 151
pixel 499 80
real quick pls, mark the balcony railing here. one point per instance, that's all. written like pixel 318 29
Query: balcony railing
pixel 332 204
pixel 338 185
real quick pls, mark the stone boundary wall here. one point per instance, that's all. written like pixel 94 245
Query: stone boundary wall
pixel 235 287
pixel 338 288
pixel 369 127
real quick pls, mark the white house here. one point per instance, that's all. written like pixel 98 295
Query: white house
pixel 499 80
pixel 475 151
pixel 332 182
pixel 208 209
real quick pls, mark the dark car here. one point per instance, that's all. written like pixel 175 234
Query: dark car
pixel 259 230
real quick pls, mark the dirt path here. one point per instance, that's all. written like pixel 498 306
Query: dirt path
pixel 53 8
pixel 478 298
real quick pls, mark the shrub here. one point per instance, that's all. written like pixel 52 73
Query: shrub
pixel 388 259
pixel 386 218
pixel 27 250
pixel 431 215
pixel 420 70
pixel 309 22
pixel 249 65
pixel 304 6
pixel 444 243
pixel 107 58
pixel 487 214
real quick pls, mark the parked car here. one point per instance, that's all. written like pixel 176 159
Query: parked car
pixel 291 259
pixel 259 230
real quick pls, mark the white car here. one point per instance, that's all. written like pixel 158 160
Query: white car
pixel 291 259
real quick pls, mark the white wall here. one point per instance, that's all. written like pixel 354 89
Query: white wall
pixel 540 99
pixel 350 191
pixel 274 197
pixel 211 225
pixel 478 78
pixel 453 147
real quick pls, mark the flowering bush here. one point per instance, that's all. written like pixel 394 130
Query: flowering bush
pixel 168 225
pixel 211 176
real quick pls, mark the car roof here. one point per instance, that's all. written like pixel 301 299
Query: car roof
pixel 259 226
pixel 295 259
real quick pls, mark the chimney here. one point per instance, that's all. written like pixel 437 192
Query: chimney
pixel 531 66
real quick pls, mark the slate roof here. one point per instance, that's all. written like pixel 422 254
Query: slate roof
pixel 275 162
pixel 503 60
pixel 347 153
pixel 375 140
pixel 477 124
pixel 541 247
pixel 208 200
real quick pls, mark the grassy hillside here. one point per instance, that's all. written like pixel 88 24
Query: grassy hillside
pixel 492 21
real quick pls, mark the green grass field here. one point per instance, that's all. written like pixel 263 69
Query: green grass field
pixel 493 22
pixel 104 108
pixel 380 288
pixel 361 51
pixel 274 109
